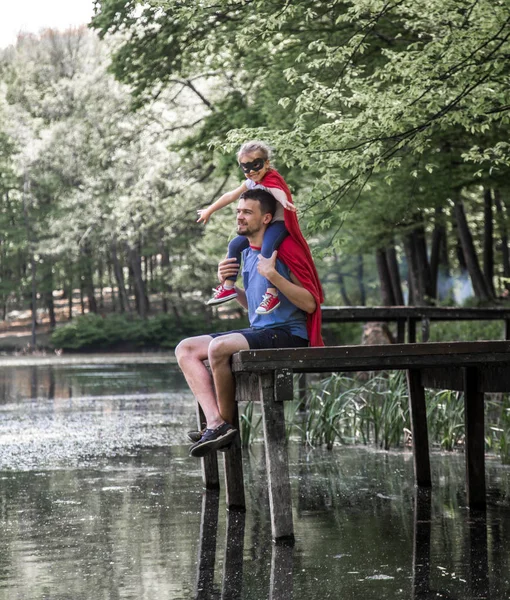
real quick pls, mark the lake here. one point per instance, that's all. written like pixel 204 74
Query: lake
pixel 100 500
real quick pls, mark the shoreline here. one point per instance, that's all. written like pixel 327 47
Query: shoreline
pixel 92 358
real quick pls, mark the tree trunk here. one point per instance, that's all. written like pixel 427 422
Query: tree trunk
pixel 70 298
pixel 396 284
pixel 113 300
pixel 436 247
pixel 361 281
pixel 475 273
pixel 416 292
pixel 82 297
pixel 119 276
pixel 424 275
pixel 488 241
pixel 100 276
pixel 31 243
pixel 341 280
pixel 387 297
pixel 461 259
pixel 135 264
pixel 88 279
pixel 504 237
pixel 47 292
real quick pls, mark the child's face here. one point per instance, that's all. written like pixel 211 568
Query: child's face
pixel 254 166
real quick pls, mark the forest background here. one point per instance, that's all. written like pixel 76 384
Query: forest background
pixel 390 121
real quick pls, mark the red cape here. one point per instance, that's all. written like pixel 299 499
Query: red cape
pixel 295 253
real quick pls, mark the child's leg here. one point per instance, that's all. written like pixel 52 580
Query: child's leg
pixel 273 237
pixel 235 249
pixel 226 291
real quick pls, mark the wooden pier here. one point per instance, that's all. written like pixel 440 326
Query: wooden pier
pixel 267 376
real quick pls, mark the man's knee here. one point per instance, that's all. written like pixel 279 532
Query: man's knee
pixel 184 349
pixel 220 350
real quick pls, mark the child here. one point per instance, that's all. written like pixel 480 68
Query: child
pixel 254 160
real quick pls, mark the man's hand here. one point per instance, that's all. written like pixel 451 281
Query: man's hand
pixel 267 266
pixel 228 267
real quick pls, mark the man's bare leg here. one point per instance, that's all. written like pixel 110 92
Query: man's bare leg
pixel 220 352
pixel 190 354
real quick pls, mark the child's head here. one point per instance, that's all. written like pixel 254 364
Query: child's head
pixel 254 159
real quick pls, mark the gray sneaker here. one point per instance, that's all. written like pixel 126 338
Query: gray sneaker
pixel 194 436
pixel 214 439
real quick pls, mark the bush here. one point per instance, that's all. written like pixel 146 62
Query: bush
pixel 164 331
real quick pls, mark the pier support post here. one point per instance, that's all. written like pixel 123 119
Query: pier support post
pixel 475 439
pixel 210 475
pixel 418 414
pixel 277 466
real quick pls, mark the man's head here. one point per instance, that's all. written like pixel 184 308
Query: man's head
pixel 255 210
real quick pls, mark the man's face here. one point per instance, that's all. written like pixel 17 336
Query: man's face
pixel 250 219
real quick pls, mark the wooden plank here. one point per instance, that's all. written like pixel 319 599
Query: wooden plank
pixel 234 479
pixel 401 331
pixel 210 474
pixel 283 385
pixel 492 378
pixel 411 331
pixel 447 378
pixel 425 329
pixel 247 387
pixel 475 440
pixel 418 414
pixel 277 467
pixel 336 314
pixel 388 356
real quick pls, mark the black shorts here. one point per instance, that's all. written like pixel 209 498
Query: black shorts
pixel 270 337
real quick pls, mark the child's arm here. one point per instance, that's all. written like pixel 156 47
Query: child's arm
pixel 204 214
pixel 281 197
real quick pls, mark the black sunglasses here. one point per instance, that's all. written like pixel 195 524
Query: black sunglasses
pixel 256 165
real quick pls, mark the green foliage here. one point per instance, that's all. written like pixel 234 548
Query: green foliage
pixel 343 409
pixel 466 331
pixel 445 418
pixel 93 332
pixel 249 424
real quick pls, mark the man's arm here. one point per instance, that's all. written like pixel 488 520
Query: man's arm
pixel 227 268
pixel 294 291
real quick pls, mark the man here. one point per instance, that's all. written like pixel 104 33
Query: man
pixel 285 327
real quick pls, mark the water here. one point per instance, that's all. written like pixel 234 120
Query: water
pixel 99 500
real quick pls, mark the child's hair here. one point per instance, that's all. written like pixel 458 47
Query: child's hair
pixel 267 200
pixel 255 146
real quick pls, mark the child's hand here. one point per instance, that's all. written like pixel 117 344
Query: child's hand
pixel 203 215
pixel 289 206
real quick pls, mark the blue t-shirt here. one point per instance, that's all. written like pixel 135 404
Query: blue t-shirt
pixel 287 315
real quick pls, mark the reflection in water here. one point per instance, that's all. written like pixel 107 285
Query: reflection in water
pixel 99 499
pixel 280 587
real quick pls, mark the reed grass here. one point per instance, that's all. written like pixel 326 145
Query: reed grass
pixel 249 424
pixel 345 409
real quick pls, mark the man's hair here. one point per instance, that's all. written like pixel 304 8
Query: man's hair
pixel 267 200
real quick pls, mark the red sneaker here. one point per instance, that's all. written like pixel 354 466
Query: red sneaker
pixel 221 295
pixel 269 303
